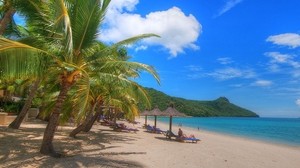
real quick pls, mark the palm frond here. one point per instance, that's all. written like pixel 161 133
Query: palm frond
pixel 133 40
pixel 63 23
pixel 18 60
pixel 129 68
pixel 86 17
pixel 81 97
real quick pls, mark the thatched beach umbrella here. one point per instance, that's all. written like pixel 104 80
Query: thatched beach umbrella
pixel 145 113
pixel 171 111
pixel 156 112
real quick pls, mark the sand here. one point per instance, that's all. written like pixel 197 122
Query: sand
pixel 103 147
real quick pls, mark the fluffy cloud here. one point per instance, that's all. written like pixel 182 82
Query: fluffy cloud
pixel 116 5
pixel 263 83
pixel 229 5
pixel 177 30
pixel 286 39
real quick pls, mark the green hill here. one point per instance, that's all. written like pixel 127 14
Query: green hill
pixel 220 107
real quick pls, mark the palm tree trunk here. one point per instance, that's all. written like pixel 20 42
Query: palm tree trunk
pixel 6 19
pixel 86 122
pixel 90 124
pixel 77 130
pixel 47 145
pixel 17 122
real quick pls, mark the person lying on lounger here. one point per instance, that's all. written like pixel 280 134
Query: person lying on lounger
pixel 182 136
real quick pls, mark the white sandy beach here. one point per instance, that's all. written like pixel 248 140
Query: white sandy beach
pixel 103 147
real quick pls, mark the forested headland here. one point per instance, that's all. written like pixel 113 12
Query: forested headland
pixel 221 107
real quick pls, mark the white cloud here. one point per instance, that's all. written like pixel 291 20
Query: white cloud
pixel 142 47
pixel 286 39
pixel 225 60
pixel 230 73
pixel 278 58
pixel 117 5
pixel 298 102
pixel 262 83
pixel 229 5
pixel 177 30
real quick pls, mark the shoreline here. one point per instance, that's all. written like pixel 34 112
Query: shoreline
pixel 247 145
pixel 267 140
pixel 103 147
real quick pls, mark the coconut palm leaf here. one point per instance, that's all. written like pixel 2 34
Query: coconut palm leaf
pixel 130 69
pixel 133 40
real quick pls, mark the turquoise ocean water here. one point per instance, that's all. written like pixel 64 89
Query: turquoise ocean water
pixel 277 130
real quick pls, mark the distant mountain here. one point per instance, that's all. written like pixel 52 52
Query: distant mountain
pixel 220 107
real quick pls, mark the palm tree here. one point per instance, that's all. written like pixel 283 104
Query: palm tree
pixel 107 84
pixel 66 32
pixel 9 28
pixel 112 93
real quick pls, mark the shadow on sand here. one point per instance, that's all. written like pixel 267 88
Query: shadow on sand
pixel 20 148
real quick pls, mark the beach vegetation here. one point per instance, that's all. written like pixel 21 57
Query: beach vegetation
pixel 63 51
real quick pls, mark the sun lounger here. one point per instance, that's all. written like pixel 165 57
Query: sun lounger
pixel 192 139
pixel 159 131
pixel 123 127
pixel 107 123
pixel 154 130
pixel 169 134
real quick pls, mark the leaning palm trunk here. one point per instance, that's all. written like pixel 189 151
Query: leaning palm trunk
pixel 17 122
pixel 47 145
pixel 90 124
pixel 6 19
pixel 82 127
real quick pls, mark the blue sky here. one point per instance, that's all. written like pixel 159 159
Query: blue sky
pixel 245 50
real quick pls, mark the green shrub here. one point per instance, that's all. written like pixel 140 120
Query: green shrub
pixel 11 106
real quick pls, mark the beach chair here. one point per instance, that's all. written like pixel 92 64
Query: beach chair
pixel 154 130
pixel 123 127
pixel 149 128
pixel 107 123
pixel 169 134
pixel 159 131
pixel 192 139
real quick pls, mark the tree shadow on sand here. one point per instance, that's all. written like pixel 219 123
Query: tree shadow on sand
pixel 20 148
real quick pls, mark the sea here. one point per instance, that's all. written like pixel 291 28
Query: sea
pixel 284 131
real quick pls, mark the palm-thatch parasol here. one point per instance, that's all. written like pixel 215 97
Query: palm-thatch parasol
pixel 145 113
pixel 171 111
pixel 154 112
